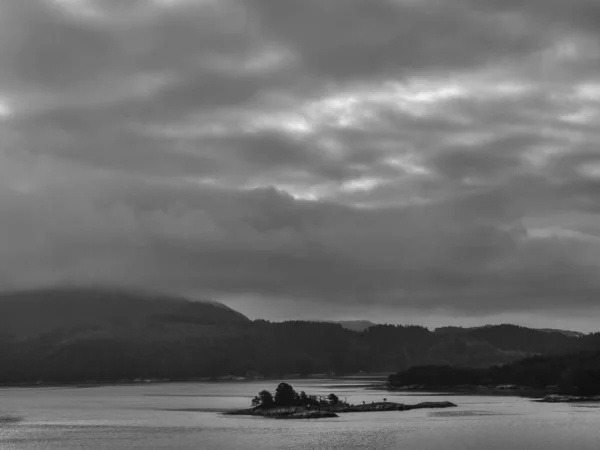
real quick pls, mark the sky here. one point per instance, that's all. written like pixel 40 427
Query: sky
pixel 402 161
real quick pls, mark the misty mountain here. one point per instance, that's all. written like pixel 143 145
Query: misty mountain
pixel 464 330
pixel 73 335
pixel 565 332
pixel 32 313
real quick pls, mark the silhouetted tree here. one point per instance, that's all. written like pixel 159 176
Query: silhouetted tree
pixel 285 394
pixel 303 397
pixel 265 398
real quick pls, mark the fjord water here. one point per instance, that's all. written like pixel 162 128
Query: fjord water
pixel 188 416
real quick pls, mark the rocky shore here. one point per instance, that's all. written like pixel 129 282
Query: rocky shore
pixel 468 389
pixel 304 412
pixel 285 412
pixel 540 395
pixel 556 398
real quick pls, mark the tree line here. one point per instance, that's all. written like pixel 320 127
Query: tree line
pixel 577 373
pixel 286 395
pixel 180 350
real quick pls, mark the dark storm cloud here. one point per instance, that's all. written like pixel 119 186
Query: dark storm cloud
pixel 448 149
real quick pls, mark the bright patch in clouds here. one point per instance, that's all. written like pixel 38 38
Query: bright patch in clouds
pixel 407 164
pixel 361 184
pixel 588 91
pixel 5 109
pixel 80 9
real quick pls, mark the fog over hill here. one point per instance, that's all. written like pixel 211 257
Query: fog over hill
pixel 28 313
pixel 451 329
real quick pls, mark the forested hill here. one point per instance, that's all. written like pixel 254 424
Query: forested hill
pixel 573 373
pixel 34 312
pixel 110 335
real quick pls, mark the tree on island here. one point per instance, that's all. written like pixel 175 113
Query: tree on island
pixel 304 398
pixel 286 395
pixel 264 398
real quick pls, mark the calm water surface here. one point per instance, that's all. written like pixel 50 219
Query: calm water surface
pixel 188 416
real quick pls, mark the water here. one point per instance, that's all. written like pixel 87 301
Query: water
pixel 187 416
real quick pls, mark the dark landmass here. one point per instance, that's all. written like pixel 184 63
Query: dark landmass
pixel 565 332
pixel 33 313
pixel 288 404
pixel 355 325
pixel 575 374
pixel 555 398
pixel 100 336
pixel 458 330
pixel 466 390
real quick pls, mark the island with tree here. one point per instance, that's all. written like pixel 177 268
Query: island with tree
pixel 289 404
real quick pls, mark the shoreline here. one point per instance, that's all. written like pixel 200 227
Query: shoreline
pixel 367 379
pixel 536 394
pixel 302 412
pixel 557 398
pixel 369 383
pixel 453 390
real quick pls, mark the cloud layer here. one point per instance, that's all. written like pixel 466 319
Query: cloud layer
pixel 438 157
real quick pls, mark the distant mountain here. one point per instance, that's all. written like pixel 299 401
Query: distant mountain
pixel 35 312
pixel 462 330
pixel 355 325
pixel 73 335
pixel 450 330
pixel 575 373
pixel 565 332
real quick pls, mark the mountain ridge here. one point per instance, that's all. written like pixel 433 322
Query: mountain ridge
pixel 31 312
pixel 102 335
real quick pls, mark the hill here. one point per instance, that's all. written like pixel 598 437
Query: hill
pixel 576 373
pixel 27 314
pixel 463 330
pixel 355 325
pixel 565 332
pixel 73 335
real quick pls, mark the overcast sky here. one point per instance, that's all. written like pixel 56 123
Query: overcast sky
pixel 424 161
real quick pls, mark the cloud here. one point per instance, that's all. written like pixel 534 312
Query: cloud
pixel 395 38
pixel 408 156
pixel 265 242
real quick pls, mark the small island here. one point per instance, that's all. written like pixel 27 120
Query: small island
pixel 289 404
